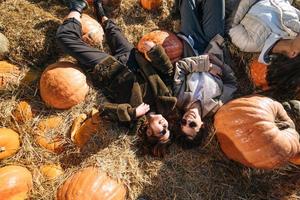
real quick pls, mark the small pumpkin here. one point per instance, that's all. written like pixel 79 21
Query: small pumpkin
pixel 151 4
pixel 258 73
pixel 4 46
pixel 52 143
pixel 92 32
pixel 91 183
pixel 16 183
pixel 170 42
pixel 257 132
pixel 63 85
pixel 84 132
pixel 22 112
pixel 9 142
pixel 9 74
pixel 51 171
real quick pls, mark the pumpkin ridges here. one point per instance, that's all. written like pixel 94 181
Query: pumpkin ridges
pixel 92 31
pixel 169 41
pixel 9 142
pixel 98 186
pixel 54 144
pixel 257 132
pixel 19 187
pixel 63 85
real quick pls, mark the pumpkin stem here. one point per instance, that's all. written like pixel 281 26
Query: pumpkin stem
pixel 2 149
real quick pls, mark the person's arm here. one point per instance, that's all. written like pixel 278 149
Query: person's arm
pixel 189 65
pixel 160 60
pixel 123 112
pixel 228 78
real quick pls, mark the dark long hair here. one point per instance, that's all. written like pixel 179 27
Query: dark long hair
pixel 152 145
pixel 187 143
pixel 284 76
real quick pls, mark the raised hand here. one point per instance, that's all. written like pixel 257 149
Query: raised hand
pixel 142 110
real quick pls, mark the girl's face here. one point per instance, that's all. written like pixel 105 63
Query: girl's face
pixel 191 123
pixel 158 127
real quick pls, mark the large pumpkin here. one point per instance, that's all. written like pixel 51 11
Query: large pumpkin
pixel 151 4
pixel 63 85
pixel 16 182
pixel 257 132
pixel 169 41
pixel 9 142
pixel 46 134
pixel 4 46
pixel 92 32
pixel 91 184
pixel 9 74
pixel 22 112
pixel 258 73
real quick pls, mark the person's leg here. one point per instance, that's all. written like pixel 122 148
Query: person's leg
pixel 201 20
pixel 212 18
pixel 190 26
pixel 120 47
pixel 69 37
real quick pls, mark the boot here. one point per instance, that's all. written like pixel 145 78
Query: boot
pixel 78 5
pixel 99 10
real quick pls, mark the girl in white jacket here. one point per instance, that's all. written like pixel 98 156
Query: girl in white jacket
pixel 265 26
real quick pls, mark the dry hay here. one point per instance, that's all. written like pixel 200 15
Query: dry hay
pixel 202 173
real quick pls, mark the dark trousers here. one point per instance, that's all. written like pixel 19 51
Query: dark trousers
pixel 69 37
pixel 201 20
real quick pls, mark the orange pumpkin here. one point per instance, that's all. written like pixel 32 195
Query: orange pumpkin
pixel 16 182
pixel 296 160
pixel 92 32
pixel 151 4
pixel 91 183
pixel 63 85
pixel 51 172
pixel 9 74
pixel 259 74
pixel 257 132
pixel 52 143
pixel 23 112
pixel 9 142
pixel 89 127
pixel 169 41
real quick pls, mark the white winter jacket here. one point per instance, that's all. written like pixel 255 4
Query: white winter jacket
pixel 256 25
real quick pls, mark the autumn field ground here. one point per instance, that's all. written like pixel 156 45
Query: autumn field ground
pixel 201 173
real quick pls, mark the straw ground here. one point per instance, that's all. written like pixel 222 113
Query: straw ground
pixel 201 173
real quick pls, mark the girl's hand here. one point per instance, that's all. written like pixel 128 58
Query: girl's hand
pixel 215 70
pixel 142 110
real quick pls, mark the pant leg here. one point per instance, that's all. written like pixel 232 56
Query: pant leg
pixel 212 14
pixel 201 20
pixel 120 47
pixel 69 37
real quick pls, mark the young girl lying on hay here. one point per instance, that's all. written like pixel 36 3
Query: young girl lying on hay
pixel 272 28
pixel 136 86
